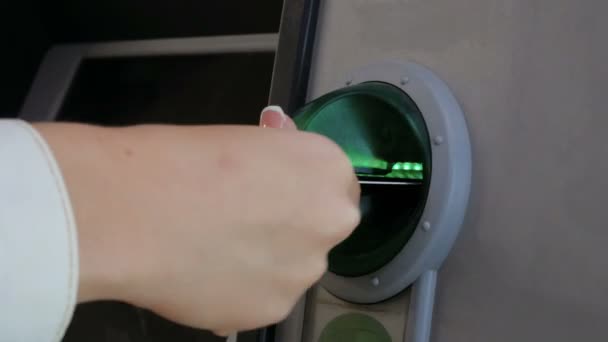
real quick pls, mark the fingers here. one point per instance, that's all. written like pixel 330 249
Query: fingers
pixel 274 117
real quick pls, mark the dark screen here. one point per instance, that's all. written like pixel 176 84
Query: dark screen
pixel 209 89
pixel 107 20
pixel 24 43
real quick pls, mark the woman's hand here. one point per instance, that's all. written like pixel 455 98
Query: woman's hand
pixel 216 227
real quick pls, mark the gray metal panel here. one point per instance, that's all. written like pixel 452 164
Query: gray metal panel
pixel 51 84
pixel 531 263
pixel 184 46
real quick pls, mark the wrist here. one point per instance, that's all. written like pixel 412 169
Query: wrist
pixel 79 152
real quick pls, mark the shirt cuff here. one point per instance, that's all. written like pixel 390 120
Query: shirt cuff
pixel 38 242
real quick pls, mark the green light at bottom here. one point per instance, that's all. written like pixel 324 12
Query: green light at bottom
pixel 408 166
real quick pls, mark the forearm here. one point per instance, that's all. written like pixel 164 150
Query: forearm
pixel 122 183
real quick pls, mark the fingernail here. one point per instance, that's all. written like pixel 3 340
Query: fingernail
pixel 273 116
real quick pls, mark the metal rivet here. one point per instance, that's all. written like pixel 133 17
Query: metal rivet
pixel 426 225
pixel 438 140
pixel 375 281
pixel 404 80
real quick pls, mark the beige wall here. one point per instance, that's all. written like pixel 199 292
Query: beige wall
pixel 532 76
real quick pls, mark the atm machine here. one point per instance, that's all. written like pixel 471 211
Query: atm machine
pixel 476 128
pixel 407 138
pixel 498 104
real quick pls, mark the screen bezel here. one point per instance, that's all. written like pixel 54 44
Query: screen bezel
pixel 289 89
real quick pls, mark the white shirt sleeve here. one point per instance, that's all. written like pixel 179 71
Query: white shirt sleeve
pixel 38 242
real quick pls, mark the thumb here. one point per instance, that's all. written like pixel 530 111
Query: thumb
pixel 274 117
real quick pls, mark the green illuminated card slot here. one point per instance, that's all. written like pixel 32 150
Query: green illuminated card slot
pixel 400 171
pixel 384 135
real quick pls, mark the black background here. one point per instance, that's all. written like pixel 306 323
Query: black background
pixel 29 27
pixel 209 89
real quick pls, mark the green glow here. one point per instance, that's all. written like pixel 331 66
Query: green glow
pixel 383 133
pixel 405 174
pixel 367 162
pixel 402 170
pixel 408 166
pixel 354 327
